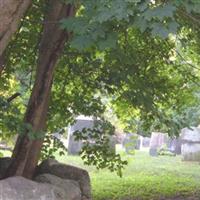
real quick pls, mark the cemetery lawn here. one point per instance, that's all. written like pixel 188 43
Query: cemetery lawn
pixel 145 178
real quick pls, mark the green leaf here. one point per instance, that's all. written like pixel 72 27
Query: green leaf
pixel 160 12
pixel 109 42
pixel 82 42
pixel 160 30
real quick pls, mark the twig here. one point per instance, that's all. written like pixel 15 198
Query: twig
pixel 197 21
pixel 13 97
pixel 191 65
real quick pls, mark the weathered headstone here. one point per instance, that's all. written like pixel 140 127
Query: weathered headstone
pixel 145 141
pixel 112 144
pixel 174 145
pixel 191 144
pixel 157 141
pixel 74 146
pixel 131 142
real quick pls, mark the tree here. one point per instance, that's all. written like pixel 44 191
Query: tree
pixel 12 12
pixel 111 48
pixel 26 152
pixel 149 68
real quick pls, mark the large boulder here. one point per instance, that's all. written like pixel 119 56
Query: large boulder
pixel 191 144
pixel 19 188
pixel 64 171
pixel 70 187
pixel 4 163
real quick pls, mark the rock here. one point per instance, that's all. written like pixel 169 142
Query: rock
pixel 64 171
pixel 191 144
pixel 70 187
pixel 4 163
pixel 19 188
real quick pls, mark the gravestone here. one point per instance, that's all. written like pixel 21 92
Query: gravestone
pixel 158 140
pixel 61 138
pixel 112 144
pixel 131 142
pixel 190 149
pixel 174 145
pixel 74 146
pixel 145 141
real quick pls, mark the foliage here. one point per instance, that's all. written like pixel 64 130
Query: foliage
pixel 20 61
pixel 9 121
pixel 98 23
pixel 99 147
pixel 133 56
pixel 51 145
pixel 140 54
pixel 164 151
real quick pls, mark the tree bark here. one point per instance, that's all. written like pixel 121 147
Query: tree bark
pixel 12 11
pixel 2 64
pixel 26 151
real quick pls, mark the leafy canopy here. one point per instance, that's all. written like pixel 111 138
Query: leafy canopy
pixel 141 55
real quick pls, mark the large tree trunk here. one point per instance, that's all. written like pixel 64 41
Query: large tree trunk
pixel 11 12
pixel 2 63
pixel 26 152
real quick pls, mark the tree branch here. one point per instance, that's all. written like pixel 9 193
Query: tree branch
pixel 191 17
pixel 13 97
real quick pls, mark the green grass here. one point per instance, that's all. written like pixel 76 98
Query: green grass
pixel 144 178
